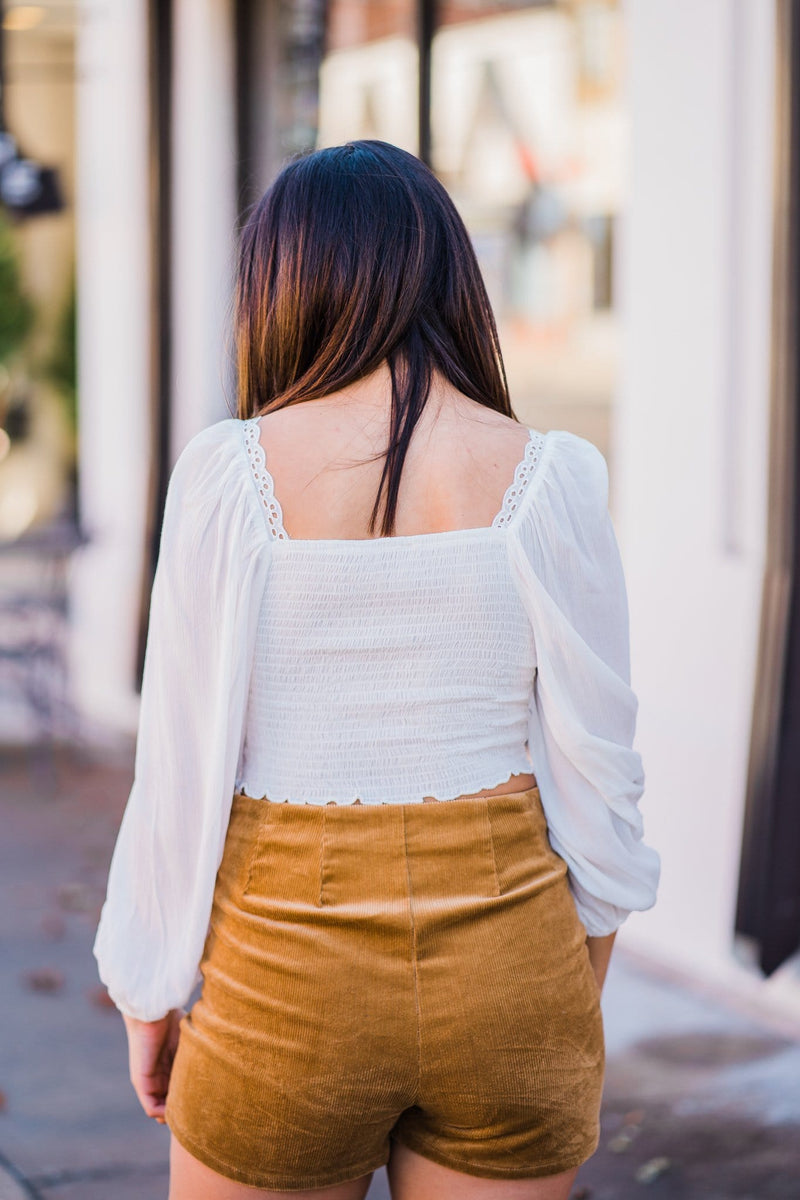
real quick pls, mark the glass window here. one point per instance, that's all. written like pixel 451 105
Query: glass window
pixel 369 75
pixel 529 136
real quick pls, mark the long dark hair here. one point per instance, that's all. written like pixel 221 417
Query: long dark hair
pixel 356 256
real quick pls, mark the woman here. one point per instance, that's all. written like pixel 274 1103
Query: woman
pixel 385 798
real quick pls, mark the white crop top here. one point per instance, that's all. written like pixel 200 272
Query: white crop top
pixel 383 669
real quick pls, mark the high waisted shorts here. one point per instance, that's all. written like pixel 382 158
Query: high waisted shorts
pixel 379 972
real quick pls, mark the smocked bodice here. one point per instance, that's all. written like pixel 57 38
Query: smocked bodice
pixel 389 676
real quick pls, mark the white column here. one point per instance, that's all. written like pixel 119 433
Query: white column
pixel 691 449
pixel 113 357
pixel 204 200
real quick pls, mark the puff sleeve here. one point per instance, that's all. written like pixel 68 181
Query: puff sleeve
pixel 582 718
pixel 207 589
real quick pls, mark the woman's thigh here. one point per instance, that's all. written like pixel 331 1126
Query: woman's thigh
pixel 412 1177
pixel 189 1179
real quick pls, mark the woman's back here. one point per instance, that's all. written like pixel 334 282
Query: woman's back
pixel 325 459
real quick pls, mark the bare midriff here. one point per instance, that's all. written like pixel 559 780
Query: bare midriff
pixel 516 783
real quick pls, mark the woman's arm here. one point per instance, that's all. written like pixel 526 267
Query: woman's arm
pixel 567 564
pixel 151 1049
pixel 206 596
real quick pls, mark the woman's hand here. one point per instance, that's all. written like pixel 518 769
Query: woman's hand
pixel 600 956
pixel 151 1049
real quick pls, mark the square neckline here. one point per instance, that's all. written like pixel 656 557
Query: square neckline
pixel 513 497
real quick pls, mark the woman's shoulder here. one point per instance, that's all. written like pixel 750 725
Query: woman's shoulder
pixel 226 434
pixel 564 488
pixel 579 464
pixel 491 429
pixel 557 451
pixel 211 449
pixel 212 466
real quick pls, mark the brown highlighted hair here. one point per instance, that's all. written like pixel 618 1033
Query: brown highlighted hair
pixel 356 256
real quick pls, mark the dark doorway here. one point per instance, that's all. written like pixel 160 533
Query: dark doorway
pixel 768 902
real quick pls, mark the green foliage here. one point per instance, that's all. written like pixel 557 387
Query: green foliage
pixel 16 310
pixel 61 368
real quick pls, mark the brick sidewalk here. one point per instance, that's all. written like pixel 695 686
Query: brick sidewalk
pixel 701 1102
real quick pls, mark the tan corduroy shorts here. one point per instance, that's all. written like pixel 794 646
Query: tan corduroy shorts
pixel 412 971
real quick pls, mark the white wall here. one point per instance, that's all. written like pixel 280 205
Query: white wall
pixel 690 448
pixel 204 191
pixel 113 355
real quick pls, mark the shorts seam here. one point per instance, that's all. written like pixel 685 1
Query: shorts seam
pixel 265 1180
pixel 320 893
pixel 484 1171
pixel 413 955
pixel 254 849
pixel 497 888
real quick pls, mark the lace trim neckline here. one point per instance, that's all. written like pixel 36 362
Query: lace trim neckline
pixel 265 485
pixel 523 473
pixel 263 479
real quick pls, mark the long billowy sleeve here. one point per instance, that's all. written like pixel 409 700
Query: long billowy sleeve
pixel 206 594
pixel 566 563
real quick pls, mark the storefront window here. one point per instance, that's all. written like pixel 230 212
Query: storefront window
pixel 529 136
pixel 369 76
pixel 301 33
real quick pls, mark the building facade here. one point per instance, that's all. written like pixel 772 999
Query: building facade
pixel 623 171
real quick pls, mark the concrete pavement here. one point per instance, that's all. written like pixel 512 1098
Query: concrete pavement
pixel 702 1101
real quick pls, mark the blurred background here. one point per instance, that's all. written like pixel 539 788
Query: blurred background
pixel 630 175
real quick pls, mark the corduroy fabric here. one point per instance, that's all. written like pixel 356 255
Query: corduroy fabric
pixel 409 971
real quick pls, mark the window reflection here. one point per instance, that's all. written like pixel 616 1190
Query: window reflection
pixel 529 136
pixel 369 76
